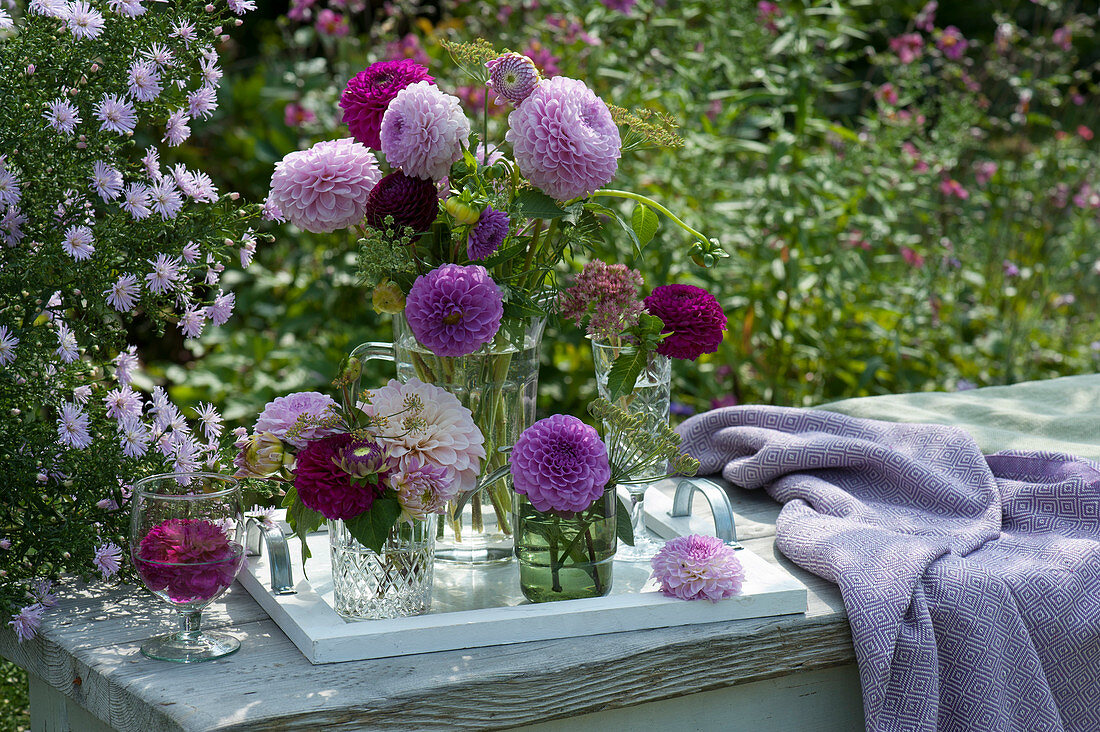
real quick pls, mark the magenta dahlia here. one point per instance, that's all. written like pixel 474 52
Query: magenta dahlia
pixel 564 140
pixel 190 560
pixel 454 309
pixel 369 92
pixel 424 131
pixel 698 567
pixel 512 76
pixel 488 234
pixel 324 188
pixel 324 483
pixel 560 464
pixel 692 317
pixel 412 202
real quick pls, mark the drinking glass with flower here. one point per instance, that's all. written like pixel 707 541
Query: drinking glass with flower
pixel 377 469
pixel 461 237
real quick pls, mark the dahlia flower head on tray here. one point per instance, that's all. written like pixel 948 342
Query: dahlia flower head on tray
pixel 375 458
pixel 464 222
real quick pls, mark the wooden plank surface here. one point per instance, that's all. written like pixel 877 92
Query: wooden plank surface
pixel 88 650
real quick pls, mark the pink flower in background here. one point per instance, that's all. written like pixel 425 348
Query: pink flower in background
pixel 908 47
pixel 912 258
pixel 887 93
pixel 1063 38
pixel 295 115
pixel 952 188
pixel 952 43
pixel 1087 197
pixel 325 187
pixel 283 413
pixel 424 131
pixel 560 464
pixel 926 18
pixel 698 567
pixel 622 6
pixel 543 58
pixel 454 310
pixel 1084 132
pixel 190 560
pixel 408 47
pixel 1010 269
pixel 766 15
pixel 564 140
pixel 332 24
pixel 473 97
pixel 369 93
pixel 856 240
pixel 692 317
pixel 984 171
pixel 1060 196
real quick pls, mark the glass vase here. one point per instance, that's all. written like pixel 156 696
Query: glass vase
pixel 565 556
pixel 498 384
pixel 395 583
pixel 649 398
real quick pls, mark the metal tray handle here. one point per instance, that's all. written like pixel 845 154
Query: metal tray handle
pixel 725 527
pixel 278 553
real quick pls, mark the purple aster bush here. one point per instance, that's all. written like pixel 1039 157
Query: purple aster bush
pixel 698 567
pixel 325 188
pixel 454 310
pixel 424 131
pixel 560 464
pixel 369 92
pixel 564 139
pixel 487 234
pixel 412 202
pixel 692 317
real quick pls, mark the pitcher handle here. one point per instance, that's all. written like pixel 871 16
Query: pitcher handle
pixel 374 350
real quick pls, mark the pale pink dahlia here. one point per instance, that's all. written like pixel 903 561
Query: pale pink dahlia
pixel 454 310
pixel 424 131
pixel 423 488
pixel 698 567
pixel 560 464
pixel 282 414
pixel 564 139
pixel 443 433
pixel 512 76
pixel 368 93
pixel 325 188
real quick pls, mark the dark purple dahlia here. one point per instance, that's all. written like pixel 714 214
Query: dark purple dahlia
pixel 488 234
pixel 326 487
pixel 411 202
pixel 369 92
pixel 454 309
pixel 692 316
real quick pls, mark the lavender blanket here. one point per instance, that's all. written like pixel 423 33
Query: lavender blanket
pixel 972 583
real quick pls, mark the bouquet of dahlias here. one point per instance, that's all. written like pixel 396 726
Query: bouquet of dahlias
pixel 394 454
pixel 94 240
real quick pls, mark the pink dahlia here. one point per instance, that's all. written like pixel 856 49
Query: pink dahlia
pixel 512 76
pixel 454 309
pixel 423 488
pixel 488 234
pixel 442 433
pixel 698 567
pixel 191 560
pixel 369 92
pixel 281 417
pixel 560 464
pixel 564 139
pixel 693 318
pixel 424 131
pixel 325 188
pixel 412 202
pixel 324 476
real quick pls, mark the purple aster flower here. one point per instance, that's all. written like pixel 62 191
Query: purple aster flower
pixel 560 464
pixel 222 307
pixel 326 187
pixel 27 621
pixel 369 92
pixel 78 243
pixel 512 76
pixel 106 181
pixel 165 273
pixel 202 102
pixel 564 139
pixel 952 43
pixel 454 310
pixel 62 115
pixel 176 129
pixel 134 437
pixel 122 402
pixel 10 190
pixel 67 347
pixel 488 234
pixel 107 558
pixel 72 427
pixel 8 342
pixel 42 593
pixel 192 322
pixel 11 226
pixel 127 8
pixel 693 318
pixel 165 198
pixel 412 202
pixel 116 114
pixel 144 81
pixel 135 201
pixel 423 131
pixel 698 567
pixel 83 20
pixel 184 31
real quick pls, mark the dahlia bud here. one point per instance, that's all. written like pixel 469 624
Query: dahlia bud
pixel 388 298
pixel 262 457
pixel 462 210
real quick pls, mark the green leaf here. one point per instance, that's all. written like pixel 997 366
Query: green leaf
pixel 624 373
pixel 645 223
pixel 372 528
pixel 302 519
pixel 623 527
pixel 534 204
pixel 503 255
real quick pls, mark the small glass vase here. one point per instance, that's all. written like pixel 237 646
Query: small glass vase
pixel 565 556
pixel 650 397
pixel 392 584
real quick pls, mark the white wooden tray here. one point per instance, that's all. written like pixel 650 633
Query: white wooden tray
pixel 483 606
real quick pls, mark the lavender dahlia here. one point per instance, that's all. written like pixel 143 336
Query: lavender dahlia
pixel 412 202
pixel 698 567
pixel 325 188
pixel 488 234
pixel 693 318
pixel 369 92
pixel 424 131
pixel 283 417
pixel 454 310
pixel 560 464
pixel 564 139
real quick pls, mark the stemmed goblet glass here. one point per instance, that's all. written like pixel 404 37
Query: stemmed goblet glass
pixel 185 544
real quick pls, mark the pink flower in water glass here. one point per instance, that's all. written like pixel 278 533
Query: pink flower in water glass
pixel 908 47
pixel 191 560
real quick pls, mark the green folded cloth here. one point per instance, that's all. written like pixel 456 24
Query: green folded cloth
pixel 1060 415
